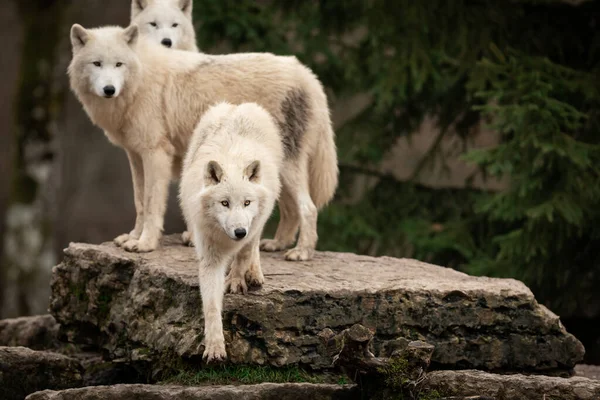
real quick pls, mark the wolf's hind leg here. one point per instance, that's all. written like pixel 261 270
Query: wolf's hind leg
pixel 300 192
pixel 289 221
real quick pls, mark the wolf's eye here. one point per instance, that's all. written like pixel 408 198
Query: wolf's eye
pixel 119 64
pixel 97 63
pixel 225 203
pixel 175 25
pixel 153 24
pixel 246 203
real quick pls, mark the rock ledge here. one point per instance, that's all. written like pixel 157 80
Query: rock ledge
pixel 143 307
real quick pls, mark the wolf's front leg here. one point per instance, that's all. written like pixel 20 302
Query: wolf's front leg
pixel 254 275
pixel 212 285
pixel 157 175
pixel 137 176
pixel 235 282
pixel 245 270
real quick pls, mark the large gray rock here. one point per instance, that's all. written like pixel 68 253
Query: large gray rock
pixel 147 307
pixel 264 391
pixel 38 332
pixel 512 387
pixel 24 371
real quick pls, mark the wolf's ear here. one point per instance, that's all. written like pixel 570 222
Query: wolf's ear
pixel 131 34
pixel 79 37
pixel 137 6
pixel 186 7
pixel 214 173
pixel 252 171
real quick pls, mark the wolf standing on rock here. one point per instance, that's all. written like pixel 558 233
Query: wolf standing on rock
pixel 155 16
pixel 229 185
pixel 148 99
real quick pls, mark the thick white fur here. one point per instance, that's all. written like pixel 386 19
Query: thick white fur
pixel 161 20
pixel 162 94
pixel 230 181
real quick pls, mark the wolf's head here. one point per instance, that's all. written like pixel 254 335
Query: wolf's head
pixel 168 22
pixel 235 201
pixel 104 61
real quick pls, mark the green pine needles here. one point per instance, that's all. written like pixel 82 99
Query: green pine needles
pixel 548 217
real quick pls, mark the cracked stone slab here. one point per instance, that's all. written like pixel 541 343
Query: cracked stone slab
pixel 142 307
pixel 263 391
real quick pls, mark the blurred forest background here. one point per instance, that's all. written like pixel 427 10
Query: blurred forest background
pixel 468 136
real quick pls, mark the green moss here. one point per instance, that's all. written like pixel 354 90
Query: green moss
pixel 144 351
pixel 399 386
pixel 103 304
pixel 78 292
pixel 395 373
pixel 431 395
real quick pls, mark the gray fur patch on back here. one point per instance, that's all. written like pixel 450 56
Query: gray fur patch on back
pixel 295 111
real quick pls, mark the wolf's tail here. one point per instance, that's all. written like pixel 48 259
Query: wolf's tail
pixel 323 169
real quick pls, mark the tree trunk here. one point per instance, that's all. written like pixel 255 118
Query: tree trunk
pixel 27 251
pixel 10 29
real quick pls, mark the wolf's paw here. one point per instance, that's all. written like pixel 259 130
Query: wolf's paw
pixel 254 276
pixel 235 283
pixel 214 350
pixel 186 238
pixel 299 254
pixel 121 239
pixel 272 245
pixel 124 238
pixel 139 246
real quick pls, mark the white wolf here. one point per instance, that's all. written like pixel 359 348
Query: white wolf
pixel 159 13
pixel 168 22
pixel 148 99
pixel 229 185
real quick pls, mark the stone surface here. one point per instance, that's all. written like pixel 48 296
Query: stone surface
pixel 38 332
pixel 512 387
pixel 24 371
pixel 264 391
pixel 147 306
pixel 588 371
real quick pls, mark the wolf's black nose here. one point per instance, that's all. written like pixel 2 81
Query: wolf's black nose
pixel 167 42
pixel 240 233
pixel 109 90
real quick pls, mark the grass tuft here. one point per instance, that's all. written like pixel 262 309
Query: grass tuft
pixel 247 375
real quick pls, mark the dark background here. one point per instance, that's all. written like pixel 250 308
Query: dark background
pixel 468 136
